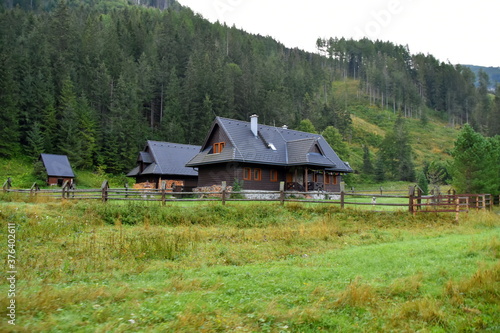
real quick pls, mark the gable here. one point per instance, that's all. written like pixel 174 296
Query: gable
pixel 316 149
pixel 217 135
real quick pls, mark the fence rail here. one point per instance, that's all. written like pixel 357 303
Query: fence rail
pixel 413 201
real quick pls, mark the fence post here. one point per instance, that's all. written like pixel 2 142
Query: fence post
pixel 342 199
pixel 126 190
pixel 224 192
pixel 381 190
pixel 282 193
pixel 104 191
pixel 457 208
pixel 163 192
pixel 64 189
pixel 34 189
pixel 7 185
pixel 411 197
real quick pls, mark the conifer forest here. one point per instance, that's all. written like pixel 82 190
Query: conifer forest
pixel 95 79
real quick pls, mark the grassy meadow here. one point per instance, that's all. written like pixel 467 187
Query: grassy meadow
pixel 93 267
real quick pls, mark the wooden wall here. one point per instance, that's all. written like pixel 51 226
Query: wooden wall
pixel 218 136
pixel 51 180
pixel 215 174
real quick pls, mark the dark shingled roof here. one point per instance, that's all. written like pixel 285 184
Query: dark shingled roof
pixel 165 158
pixel 273 146
pixel 57 165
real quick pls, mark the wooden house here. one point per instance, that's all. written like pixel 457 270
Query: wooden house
pixel 263 156
pixel 58 169
pixel 163 163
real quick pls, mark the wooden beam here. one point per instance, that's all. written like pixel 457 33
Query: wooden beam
pixel 306 179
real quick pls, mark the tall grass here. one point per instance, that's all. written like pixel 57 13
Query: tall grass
pixel 88 266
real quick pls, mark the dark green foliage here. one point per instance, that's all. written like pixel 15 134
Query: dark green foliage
pixel 396 153
pixel 367 168
pixel 437 173
pixel 423 183
pixel 100 77
pixel 39 171
pixel 335 140
pixel 9 117
pixel 36 142
pixel 380 171
pixel 306 126
pixel 237 187
pixel 476 163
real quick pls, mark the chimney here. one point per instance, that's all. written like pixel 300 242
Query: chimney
pixel 254 124
pixel 284 127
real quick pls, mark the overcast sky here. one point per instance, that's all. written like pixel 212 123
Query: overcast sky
pixel 461 32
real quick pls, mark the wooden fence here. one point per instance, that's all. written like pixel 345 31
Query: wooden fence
pixel 412 201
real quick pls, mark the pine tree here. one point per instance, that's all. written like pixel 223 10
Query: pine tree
pixel 36 142
pixel 367 168
pixel 423 183
pixel 9 121
pixel 476 163
pixel 495 114
pixel 69 139
pixel 172 128
pixel 334 139
pixel 379 173
pixel 397 153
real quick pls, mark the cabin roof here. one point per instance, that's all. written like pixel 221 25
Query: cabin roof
pixel 57 165
pixel 165 158
pixel 272 145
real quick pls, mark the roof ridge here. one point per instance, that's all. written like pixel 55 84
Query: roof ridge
pixel 152 152
pixel 304 139
pixel 175 143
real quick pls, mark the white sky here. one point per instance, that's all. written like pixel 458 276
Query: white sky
pixel 461 32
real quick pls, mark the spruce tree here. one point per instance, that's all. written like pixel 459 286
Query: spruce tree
pixel 36 141
pixel 379 173
pixel 476 163
pixel 367 168
pixel 9 120
pixel 397 153
pixel 334 139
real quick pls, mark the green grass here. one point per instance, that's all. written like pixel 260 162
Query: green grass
pixel 92 267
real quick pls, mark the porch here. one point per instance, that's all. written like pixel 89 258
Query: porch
pixel 305 179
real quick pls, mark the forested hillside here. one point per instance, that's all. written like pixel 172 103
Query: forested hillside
pixel 95 79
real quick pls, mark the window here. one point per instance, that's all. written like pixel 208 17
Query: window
pixel 218 147
pixel 247 174
pixel 274 176
pixel 257 174
pixel 335 180
pixel 327 178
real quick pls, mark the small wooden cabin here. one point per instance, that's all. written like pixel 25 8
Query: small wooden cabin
pixel 58 169
pixel 163 163
pixel 263 156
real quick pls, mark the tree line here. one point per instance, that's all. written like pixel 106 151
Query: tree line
pixel 395 79
pixel 95 79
